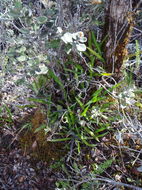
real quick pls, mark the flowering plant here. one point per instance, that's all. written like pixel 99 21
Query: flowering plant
pixel 43 70
pixel 76 39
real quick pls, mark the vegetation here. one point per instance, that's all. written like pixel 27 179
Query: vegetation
pixel 85 120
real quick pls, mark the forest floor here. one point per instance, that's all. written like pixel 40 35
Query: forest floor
pixel 18 170
pixel 28 159
pixel 21 170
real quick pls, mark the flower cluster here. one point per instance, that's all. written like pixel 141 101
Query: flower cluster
pixel 127 97
pixel 76 39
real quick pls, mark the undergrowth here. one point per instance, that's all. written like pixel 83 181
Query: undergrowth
pixel 83 104
pixel 79 109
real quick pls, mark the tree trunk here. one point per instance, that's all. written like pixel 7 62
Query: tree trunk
pixel 117 30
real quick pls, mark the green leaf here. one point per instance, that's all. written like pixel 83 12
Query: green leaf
pixel 14 14
pixel 85 111
pixel 91 133
pixel 78 146
pixel 79 67
pixel 100 130
pixel 35 87
pixel 59 140
pixel 40 128
pixel 42 101
pixel 25 31
pixel 95 97
pixel 42 19
pixel 52 44
pixel 88 144
pixel 22 58
pixel 27 106
pixel 97 45
pixel 87 54
pixel 101 135
pixel 96 54
pixel 79 102
pixel 15 11
pixel 55 78
pixel 26 126
pixel 102 167
pixel 18 5
pixel 105 74
pixel 8 112
pixel 21 50
pixel 94 100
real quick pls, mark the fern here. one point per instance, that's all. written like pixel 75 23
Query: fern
pixel 99 169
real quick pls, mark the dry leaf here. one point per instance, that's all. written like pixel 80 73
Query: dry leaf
pixel 34 145
pixel 96 2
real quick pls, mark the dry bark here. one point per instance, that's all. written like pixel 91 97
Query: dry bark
pixel 118 27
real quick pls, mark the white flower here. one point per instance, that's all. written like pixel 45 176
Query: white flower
pixel 79 36
pixel 81 47
pixel 127 97
pixel 76 39
pixel 43 70
pixel 83 39
pixel 59 30
pixel 67 37
pixel 82 122
pixel 95 112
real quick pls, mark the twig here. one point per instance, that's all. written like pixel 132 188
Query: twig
pixel 111 182
pixel 137 157
pixel 126 148
pixel 138 5
pixel 104 180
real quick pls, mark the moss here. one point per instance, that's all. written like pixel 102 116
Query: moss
pixel 36 144
pixel 121 51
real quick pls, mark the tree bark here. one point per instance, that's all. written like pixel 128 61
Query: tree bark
pixel 117 30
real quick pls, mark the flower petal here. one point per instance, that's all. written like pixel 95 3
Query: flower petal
pixel 67 38
pixel 59 30
pixel 81 47
pixel 43 70
pixel 83 39
pixel 80 34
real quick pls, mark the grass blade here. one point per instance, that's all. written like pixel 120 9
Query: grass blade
pixel 97 45
pixel 96 54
